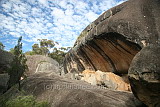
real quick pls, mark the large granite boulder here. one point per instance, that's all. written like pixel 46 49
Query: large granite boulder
pixel 40 63
pixel 144 75
pixel 110 42
pixel 114 38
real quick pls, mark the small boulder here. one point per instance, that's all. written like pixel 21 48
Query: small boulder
pixel 89 76
pixel 107 79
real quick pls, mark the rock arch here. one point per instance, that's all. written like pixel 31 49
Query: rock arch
pixel 133 24
pixel 108 52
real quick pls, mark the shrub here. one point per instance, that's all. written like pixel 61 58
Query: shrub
pixel 26 101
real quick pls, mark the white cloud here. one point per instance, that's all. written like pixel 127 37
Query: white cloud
pixel 59 20
pixel 107 4
pixel 58 13
pixel 2 17
pixel 81 8
pixel 7 7
pixel 15 34
pixel 49 25
pixel 121 1
pixel 69 12
pixel 91 16
pixel 63 4
pixel 18 7
pixel 43 2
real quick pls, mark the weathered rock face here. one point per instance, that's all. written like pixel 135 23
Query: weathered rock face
pixel 62 92
pixel 101 54
pixel 144 75
pixel 39 63
pixel 106 79
pixel 111 41
pixel 5 60
pixel 3 82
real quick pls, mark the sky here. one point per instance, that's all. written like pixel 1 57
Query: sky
pixel 59 20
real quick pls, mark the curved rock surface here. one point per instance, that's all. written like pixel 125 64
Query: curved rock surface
pixel 144 75
pixel 111 41
pixel 62 92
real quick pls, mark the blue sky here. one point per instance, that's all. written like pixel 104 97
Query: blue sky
pixel 59 20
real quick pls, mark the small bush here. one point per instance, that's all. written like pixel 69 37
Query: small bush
pixel 26 101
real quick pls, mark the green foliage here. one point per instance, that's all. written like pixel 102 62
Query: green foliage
pixel 20 98
pixel 36 49
pixel 26 101
pixel 1 46
pixel 43 49
pixel 30 53
pixel 11 50
pixel 18 65
pixel 11 94
pixel 59 54
pixel 47 43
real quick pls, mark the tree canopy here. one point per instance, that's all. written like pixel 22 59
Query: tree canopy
pixel 1 46
pixel 45 46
